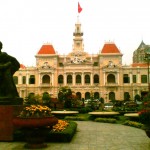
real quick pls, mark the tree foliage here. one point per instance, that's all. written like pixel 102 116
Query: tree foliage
pixel 32 99
pixel 65 95
pixel 137 97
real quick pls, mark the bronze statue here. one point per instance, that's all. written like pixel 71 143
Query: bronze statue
pixel 8 66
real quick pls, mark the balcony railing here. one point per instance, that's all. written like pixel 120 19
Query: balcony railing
pixel 45 85
pixel 111 84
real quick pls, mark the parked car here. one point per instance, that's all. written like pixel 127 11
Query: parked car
pixel 108 106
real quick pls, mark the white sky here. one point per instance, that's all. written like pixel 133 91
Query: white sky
pixel 25 25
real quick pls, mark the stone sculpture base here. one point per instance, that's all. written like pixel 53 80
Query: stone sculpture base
pixel 11 101
pixel 9 108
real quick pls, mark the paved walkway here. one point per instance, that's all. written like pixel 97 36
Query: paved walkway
pixel 97 136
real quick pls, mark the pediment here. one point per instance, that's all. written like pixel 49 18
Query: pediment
pixel 111 65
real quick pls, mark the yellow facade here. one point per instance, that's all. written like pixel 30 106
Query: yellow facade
pixel 102 74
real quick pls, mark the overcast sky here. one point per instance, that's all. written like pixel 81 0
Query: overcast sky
pixel 25 25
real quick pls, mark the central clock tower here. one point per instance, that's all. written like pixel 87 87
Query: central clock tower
pixel 78 40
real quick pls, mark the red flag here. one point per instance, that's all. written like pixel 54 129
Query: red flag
pixel 79 8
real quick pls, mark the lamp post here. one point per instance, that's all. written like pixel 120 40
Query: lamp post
pixel 147 56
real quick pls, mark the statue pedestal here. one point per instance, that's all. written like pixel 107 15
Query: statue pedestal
pixel 8 111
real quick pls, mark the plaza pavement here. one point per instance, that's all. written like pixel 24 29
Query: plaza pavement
pixel 96 136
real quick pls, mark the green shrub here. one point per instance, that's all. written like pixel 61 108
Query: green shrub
pixel 75 118
pixel 85 110
pixel 106 120
pixel 63 136
pixel 121 119
pixel 133 124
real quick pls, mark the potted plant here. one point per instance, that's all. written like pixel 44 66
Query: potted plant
pixel 35 121
pixel 144 114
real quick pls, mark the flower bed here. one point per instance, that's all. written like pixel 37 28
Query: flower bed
pixel 35 111
pixel 59 135
pixel 63 136
pixel 60 126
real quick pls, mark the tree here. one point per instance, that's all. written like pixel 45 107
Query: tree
pixel 65 95
pixel 46 98
pixel 127 96
pixel 32 99
pixel 137 97
pixel 101 100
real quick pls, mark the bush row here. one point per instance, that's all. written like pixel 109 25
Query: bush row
pixel 106 120
pixel 75 118
pixel 63 136
pixel 52 136
pixel 133 124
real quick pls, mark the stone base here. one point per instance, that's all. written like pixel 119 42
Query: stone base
pixel 11 101
pixel 7 113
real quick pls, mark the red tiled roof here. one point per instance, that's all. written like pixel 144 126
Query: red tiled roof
pixel 140 65
pixel 110 48
pixel 47 49
pixel 22 66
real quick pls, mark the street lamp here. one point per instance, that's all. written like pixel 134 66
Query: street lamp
pixel 147 56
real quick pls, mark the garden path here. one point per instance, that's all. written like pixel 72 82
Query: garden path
pixel 97 136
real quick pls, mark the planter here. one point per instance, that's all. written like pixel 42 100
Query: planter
pixel 35 130
pixel 34 122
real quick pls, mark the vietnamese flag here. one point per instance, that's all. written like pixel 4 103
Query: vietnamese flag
pixel 79 8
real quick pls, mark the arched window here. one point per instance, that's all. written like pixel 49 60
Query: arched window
pixel 87 95
pixel 96 95
pixel 126 96
pixel 46 79
pixel 96 78
pixel 87 79
pixel 78 78
pixel 78 94
pixel 32 79
pixel 15 79
pixel 69 79
pixel 24 80
pixel 60 79
pixel 126 78
pixel 111 78
pixel 112 96
pixel 143 78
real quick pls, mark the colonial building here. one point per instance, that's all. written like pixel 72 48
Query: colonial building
pixel 102 74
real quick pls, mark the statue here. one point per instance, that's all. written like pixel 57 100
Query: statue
pixel 8 66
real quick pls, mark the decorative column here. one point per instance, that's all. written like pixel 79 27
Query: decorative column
pixel 131 79
pixel 138 76
pixel 19 79
pixel 73 78
pixel 118 78
pixel 91 78
pixel 104 78
pixel 82 78
pixel 65 79
pixel 52 79
pixel 39 79
pixel 27 75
